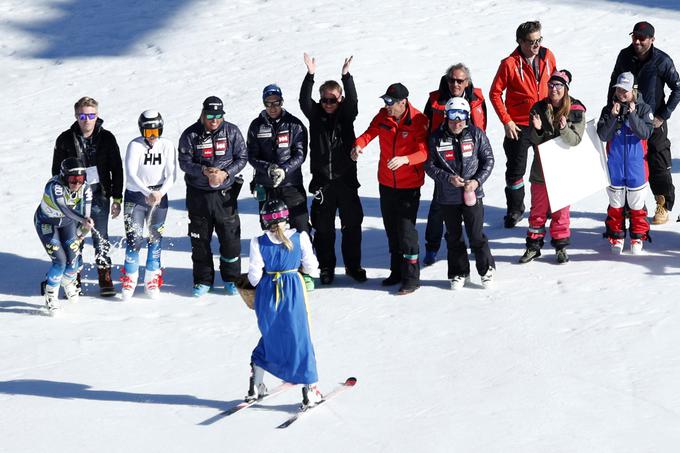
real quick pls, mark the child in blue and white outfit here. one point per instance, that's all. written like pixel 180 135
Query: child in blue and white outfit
pixel 62 220
pixel 151 171
pixel 285 349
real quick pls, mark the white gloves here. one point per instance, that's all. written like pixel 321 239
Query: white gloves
pixel 276 174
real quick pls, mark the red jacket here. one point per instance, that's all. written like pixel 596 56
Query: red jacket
pixel 436 103
pixel 406 138
pixel 516 77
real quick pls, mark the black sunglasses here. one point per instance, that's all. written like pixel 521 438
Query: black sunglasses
pixel 454 80
pixel 329 101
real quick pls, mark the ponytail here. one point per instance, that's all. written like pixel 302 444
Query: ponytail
pixel 279 230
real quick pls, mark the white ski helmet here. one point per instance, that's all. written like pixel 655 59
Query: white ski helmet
pixel 150 119
pixel 457 109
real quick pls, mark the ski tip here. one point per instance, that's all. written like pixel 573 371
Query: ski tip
pixel 351 381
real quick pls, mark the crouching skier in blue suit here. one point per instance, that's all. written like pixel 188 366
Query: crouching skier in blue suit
pixel 62 220
pixel 285 349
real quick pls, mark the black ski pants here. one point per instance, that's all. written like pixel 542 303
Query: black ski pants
pixel 659 161
pixel 515 167
pixel 473 217
pixel 215 210
pixel 399 208
pixel 337 196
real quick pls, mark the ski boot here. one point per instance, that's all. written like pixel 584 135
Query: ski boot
pixel 487 279
pixel 459 281
pixel 153 280
pixel 71 290
pixel 636 246
pixel 311 396
pixel 256 389
pixel 129 282
pixel 106 288
pixel 51 297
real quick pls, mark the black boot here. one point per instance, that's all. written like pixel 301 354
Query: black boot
pixel 106 288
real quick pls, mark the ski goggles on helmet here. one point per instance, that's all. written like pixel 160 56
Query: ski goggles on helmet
pixel 75 179
pixel 458 114
pixel 275 215
pixel 270 104
pixel 87 116
pixel 148 133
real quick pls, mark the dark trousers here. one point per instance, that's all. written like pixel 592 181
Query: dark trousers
pixel 659 161
pixel 516 165
pixel 435 226
pixel 473 217
pixel 214 211
pixel 399 208
pixel 337 196
pixel 295 198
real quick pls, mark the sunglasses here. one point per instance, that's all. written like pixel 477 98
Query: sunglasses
pixel 389 101
pixel 555 85
pixel 148 133
pixel 270 104
pixel 86 116
pixel 533 42
pixel 210 116
pixel 454 80
pixel 457 114
pixel 275 215
pixel 329 101
pixel 76 179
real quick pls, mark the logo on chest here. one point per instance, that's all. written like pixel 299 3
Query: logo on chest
pixel 153 159
pixel 220 147
pixel 466 148
pixel 283 139
pixel 264 132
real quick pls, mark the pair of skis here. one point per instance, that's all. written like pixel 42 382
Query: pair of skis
pixel 348 384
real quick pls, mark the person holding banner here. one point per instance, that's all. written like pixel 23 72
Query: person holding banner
pixel 556 116
pixel 625 124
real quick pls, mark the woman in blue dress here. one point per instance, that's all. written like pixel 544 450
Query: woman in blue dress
pixel 285 349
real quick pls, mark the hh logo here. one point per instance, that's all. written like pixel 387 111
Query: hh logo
pixel 282 139
pixel 153 159
pixel 449 155
pixel 220 147
pixel 466 147
pixel 195 235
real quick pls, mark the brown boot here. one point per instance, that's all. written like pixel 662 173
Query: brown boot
pixel 106 288
pixel 661 214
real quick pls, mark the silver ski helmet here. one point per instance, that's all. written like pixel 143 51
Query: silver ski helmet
pixel 150 124
pixel 273 211
pixel 72 170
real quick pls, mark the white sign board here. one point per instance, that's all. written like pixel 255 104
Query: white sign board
pixel 573 173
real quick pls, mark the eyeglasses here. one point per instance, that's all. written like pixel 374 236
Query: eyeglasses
pixel 454 80
pixel 211 116
pixel 555 85
pixel 275 215
pixel 86 116
pixel 270 104
pixel 458 114
pixel 533 42
pixel 148 133
pixel 329 101
pixel 75 179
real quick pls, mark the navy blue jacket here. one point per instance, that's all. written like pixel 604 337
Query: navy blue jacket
pixel 223 149
pixel 282 142
pixel 468 155
pixel 650 75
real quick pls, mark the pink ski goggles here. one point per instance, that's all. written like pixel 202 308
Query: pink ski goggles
pixel 275 215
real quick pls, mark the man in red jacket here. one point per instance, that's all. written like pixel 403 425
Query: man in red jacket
pixel 455 83
pixel 402 131
pixel 524 77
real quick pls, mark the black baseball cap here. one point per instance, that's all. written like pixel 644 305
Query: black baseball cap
pixel 395 92
pixel 643 29
pixel 214 105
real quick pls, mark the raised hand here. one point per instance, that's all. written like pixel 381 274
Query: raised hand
pixel 310 62
pixel 345 66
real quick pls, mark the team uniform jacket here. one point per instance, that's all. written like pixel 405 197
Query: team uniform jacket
pixel 331 137
pixel 626 139
pixel 108 163
pixel 148 168
pixel 468 155
pixel 571 134
pixel 405 138
pixel 282 142
pixel 650 75
pixel 59 206
pixel 523 88
pixel 434 110
pixel 223 149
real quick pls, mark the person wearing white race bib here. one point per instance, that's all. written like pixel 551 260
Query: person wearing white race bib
pixel 151 172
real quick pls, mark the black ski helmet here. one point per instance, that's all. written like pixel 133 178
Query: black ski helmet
pixel 274 211
pixel 72 166
pixel 150 119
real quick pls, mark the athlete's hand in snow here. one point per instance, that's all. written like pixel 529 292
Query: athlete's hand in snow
pixel 310 63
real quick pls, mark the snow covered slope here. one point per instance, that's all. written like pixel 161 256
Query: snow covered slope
pixel 575 358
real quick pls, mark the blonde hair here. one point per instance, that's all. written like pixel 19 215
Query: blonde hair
pixel 85 101
pixel 279 230
pixel 565 108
